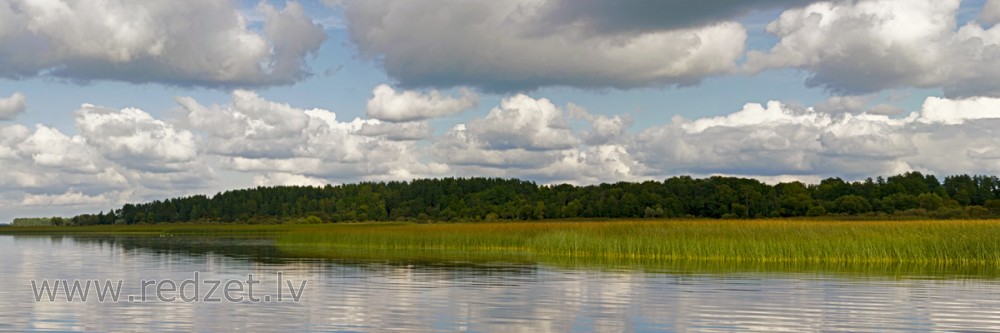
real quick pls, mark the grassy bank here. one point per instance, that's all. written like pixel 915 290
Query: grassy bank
pixel 788 241
pixel 791 241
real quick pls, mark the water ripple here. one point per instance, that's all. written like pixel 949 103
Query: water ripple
pixel 364 296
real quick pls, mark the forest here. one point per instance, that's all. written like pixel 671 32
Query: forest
pixel 491 199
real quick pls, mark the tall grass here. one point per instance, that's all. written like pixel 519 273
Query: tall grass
pixel 780 241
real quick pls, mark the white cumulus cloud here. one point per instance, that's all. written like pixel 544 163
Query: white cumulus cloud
pixel 116 156
pixel 522 122
pixel 402 106
pixel 49 147
pixel 509 46
pixel 269 138
pixel 250 126
pixel 134 138
pixel 856 47
pixel 396 131
pixel 12 106
pixel 287 179
pixel 604 129
pixel 70 198
pixel 532 138
pixel 955 112
pixel 991 12
pixel 947 136
pixel 186 42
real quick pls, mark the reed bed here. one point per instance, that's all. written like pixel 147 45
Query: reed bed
pixel 972 242
pixel 792 241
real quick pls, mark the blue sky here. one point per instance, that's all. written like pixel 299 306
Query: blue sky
pixel 107 103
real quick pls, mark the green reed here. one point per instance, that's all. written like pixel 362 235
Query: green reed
pixel 795 241
pixel 792 241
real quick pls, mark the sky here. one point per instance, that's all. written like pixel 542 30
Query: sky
pixel 108 102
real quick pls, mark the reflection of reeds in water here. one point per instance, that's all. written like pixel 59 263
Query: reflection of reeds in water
pixel 252 246
pixel 757 243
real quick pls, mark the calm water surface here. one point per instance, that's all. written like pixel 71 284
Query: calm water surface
pixel 393 295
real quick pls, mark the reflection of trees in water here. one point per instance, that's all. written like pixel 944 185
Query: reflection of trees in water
pixel 259 249
pixel 264 251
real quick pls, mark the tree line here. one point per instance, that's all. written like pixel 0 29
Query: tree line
pixel 485 199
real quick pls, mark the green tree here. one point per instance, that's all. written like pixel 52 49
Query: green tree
pixel 852 204
pixel 816 211
pixel 930 201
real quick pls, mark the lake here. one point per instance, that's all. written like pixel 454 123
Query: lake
pixel 423 295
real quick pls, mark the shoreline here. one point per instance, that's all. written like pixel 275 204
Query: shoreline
pixel 931 242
